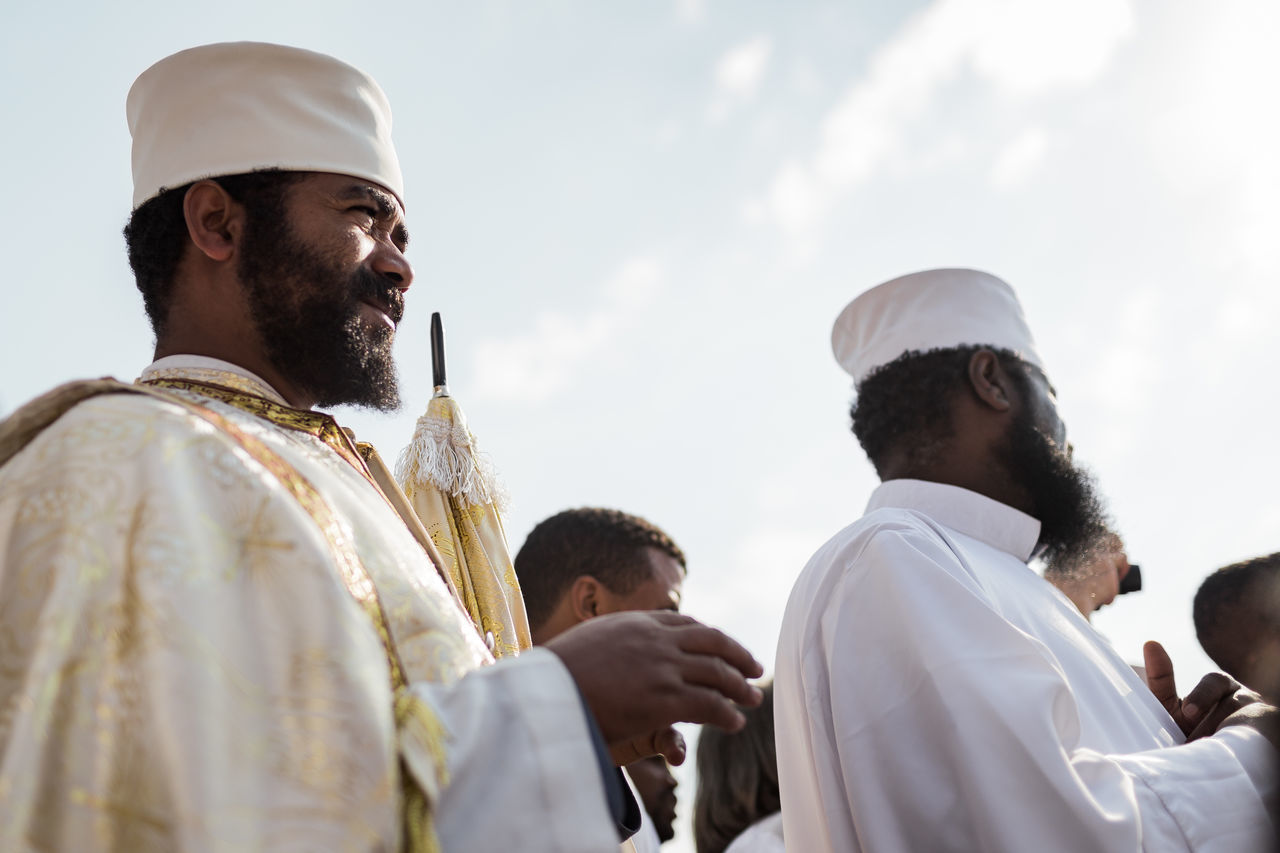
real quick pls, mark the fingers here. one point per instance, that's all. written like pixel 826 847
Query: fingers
pixel 670 745
pixel 696 704
pixel 628 751
pixel 1212 689
pixel 1160 675
pixel 667 742
pixel 713 672
pixel 699 639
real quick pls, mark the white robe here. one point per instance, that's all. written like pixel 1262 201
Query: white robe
pixel 933 693
pixel 763 836
pixel 183 668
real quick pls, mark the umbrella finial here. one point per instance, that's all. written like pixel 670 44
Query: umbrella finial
pixel 437 356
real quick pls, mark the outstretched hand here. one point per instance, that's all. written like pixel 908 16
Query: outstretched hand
pixel 1202 711
pixel 640 672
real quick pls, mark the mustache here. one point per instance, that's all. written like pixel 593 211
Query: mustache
pixel 368 285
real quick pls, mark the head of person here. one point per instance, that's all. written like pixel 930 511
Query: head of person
pixel 657 789
pixel 1237 618
pixel 949 388
pixel 1091 579
pixel 268 218
pixel 586 562
pixel 737 778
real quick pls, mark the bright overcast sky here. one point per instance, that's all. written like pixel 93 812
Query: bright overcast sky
pixel 639 220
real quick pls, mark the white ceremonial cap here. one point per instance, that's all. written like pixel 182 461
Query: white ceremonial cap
pixel 934 309
pixel 224 109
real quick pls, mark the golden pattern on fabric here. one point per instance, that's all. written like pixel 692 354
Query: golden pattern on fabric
pixel 354 575
pixel 168 587
pixel 454 492
pixel 317 424
pixel 490 592
pixel 215 377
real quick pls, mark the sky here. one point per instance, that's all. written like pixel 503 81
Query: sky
pixel 640 219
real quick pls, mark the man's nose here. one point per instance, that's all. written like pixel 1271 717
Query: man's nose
pixel 390 263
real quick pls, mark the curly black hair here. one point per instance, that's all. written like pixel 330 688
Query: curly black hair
pixel 156 232
pixel 1236 605
pixel 605 544
pixel 906 404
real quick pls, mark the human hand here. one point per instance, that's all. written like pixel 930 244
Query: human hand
pixel 639 672
pixel 1264 718
pixel 667 742
pixel 1204 709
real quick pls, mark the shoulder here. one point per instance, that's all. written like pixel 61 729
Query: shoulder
pixel 886 554
pixel 880 536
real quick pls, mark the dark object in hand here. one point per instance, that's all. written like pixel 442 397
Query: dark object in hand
pixel 1132 581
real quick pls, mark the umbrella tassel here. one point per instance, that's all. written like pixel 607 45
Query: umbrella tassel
pixel 443 454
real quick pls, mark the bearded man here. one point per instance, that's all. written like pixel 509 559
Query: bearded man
pixel 221 628
pixel 932 691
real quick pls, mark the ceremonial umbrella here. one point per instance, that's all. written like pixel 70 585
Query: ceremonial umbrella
pixel 455 492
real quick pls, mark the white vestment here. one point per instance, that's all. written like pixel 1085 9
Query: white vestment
pixel 933 693
pixel 185 666
pixel 763 836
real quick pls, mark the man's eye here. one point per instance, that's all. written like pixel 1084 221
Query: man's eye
pixel 367 211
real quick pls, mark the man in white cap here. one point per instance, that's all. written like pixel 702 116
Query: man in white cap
pixel 220 626
pixel 933 692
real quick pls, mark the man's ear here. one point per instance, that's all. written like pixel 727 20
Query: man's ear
pixel 584 597
pixel 991 383
pixel 215 221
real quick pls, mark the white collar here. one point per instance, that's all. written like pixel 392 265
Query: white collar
pixel 201 368
pixel 977 516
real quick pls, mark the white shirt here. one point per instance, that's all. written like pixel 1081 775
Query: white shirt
pixel 763 836
pixel 933 693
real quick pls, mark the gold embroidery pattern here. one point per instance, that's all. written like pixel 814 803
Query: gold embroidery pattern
pixel 103 587
pixel 213 376
pixel 249 536
pixel 354 575
pixel 317 424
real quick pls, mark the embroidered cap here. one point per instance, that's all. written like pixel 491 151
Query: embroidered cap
pixel 934 309
pixel 224 109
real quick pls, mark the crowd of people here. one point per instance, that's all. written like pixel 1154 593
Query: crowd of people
pixel 222 626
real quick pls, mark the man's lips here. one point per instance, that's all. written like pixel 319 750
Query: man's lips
pixel 384 311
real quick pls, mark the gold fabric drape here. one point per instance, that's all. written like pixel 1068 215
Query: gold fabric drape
pixel 455 496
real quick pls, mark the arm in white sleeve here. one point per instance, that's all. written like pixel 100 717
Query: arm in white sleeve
pixel 954 730
pixel 521 772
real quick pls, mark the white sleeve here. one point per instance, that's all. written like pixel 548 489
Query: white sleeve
pixel 954 730
pixel 521 769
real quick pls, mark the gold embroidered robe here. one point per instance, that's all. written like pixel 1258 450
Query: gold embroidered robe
pixel 183 664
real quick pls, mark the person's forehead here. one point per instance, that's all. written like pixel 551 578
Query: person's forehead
pixel 350 188
pixel 665 568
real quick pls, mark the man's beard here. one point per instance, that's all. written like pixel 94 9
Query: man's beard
pixel 1073 522
pixel 307 313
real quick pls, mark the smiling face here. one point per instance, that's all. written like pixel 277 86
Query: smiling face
pixel 325 279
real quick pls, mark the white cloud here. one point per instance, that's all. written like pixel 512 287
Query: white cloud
pixel 1020 46
pixel 738 75
pixel 1032 45
pixel 1217 141
pixel 545 360
pixel 1019 158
